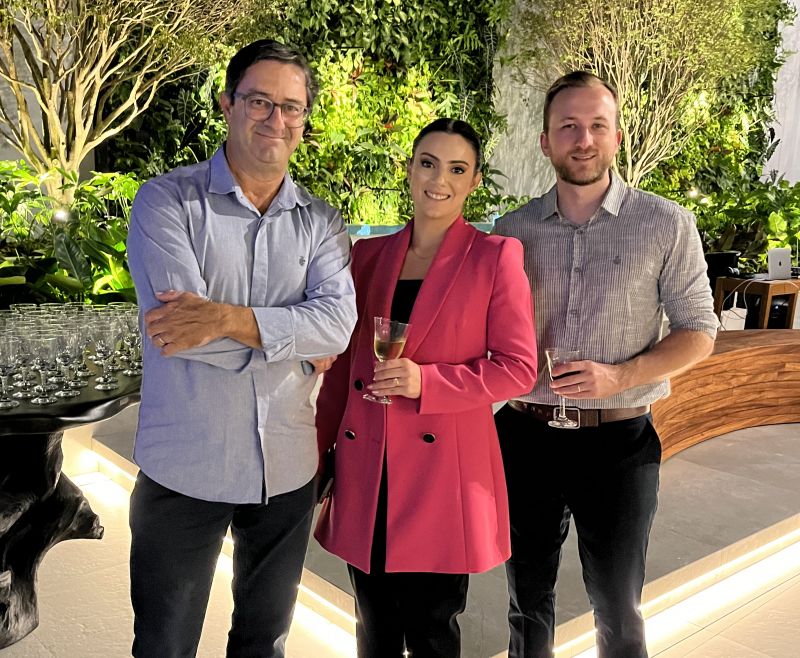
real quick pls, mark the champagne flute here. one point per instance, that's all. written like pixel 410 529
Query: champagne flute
pixel 44 348
pixel 105 343
pixel 388 343
pixel 9 347
pixel 556 356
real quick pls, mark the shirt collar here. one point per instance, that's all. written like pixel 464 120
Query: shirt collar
pixel 221 181
pixel 612 202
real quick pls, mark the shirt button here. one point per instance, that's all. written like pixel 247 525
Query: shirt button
pixel 574 311
pixel 358 384
pixel 428 438
pixel 349 434
pixel 577 270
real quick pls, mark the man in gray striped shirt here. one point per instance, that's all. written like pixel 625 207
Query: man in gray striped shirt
pixel 606 262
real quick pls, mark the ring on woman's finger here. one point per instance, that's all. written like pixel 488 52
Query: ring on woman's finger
pixel 162 341
pixel 579 388
pixel 396 381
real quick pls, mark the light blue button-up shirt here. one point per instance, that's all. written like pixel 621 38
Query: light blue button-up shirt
pixel 220 422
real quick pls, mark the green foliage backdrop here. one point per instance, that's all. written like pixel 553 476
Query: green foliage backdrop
pixel 386 68
pixel 720 173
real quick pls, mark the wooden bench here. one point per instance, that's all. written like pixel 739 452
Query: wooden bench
pixel 751 379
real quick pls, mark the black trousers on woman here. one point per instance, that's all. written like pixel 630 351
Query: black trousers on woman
pixel 397 611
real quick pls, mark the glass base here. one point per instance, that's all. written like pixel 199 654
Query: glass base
pixel 132 372
pixel 562 421
pixel 78 383
pixel 383 400
pixel 22 395
pixel 106 387
pixel 67 394
pixel 44 399
pixel 564 424
pixel 102 379
pixel 8 404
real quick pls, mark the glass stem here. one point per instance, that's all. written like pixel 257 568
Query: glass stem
pixel 4 384
pixel 563 410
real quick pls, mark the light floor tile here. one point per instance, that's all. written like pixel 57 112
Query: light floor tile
pixel 719 647
pixel 27 647
pixel 772 628
pixel 679 649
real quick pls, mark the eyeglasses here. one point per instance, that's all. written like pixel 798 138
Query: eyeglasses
pixel 258 107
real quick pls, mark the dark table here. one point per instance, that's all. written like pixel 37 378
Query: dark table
pixel 39 506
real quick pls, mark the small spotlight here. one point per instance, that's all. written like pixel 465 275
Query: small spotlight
pixel 61 216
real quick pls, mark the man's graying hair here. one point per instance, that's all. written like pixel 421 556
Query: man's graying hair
pixel 266 49
pixel 570 81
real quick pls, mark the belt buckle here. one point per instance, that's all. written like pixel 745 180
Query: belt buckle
pixel 571 420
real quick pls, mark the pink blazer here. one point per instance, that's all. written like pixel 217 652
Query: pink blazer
pixel 472 334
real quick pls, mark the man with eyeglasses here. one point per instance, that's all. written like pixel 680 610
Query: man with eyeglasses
pixel 242 278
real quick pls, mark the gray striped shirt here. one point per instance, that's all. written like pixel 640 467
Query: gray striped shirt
pixel 604 287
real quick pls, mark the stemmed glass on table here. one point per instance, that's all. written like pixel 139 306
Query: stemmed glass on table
pixel 9 349
pixel 389 341
pixel 556 356
pixel 105 334
pixel 44 347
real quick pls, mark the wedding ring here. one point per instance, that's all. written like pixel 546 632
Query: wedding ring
pixel 163 342
pixel 579 388
pixel 396 381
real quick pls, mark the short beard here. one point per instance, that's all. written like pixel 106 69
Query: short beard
pixel 589 178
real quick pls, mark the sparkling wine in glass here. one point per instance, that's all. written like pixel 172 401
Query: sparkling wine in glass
pixel 389 341
pixel 556 356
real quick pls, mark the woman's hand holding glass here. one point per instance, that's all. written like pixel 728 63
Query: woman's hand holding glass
pixel 397 377
pixel 388 342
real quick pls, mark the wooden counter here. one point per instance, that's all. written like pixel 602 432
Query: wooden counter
pixel 752 378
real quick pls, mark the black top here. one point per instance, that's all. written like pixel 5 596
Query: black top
pixel 405 294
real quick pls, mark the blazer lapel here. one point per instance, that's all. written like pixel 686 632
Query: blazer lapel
pixel 386 266
pixel 438 281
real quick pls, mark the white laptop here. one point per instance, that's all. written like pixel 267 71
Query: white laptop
pixel 779 264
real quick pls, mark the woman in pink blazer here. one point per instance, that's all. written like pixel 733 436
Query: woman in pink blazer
pixel 419 496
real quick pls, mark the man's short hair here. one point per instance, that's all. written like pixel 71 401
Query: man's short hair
pixel 266 49
pixel 570 81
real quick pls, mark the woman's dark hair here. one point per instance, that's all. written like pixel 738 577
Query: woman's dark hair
pixel 453 127
pixel 266 49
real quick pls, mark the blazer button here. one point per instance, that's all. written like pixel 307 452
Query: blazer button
pixel 428 438
pixel 358 384
pixel 349 434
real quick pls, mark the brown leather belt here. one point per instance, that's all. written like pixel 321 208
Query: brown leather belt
pixel 589 417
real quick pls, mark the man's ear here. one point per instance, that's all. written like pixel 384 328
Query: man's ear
pixel 225 103
pixel 544 143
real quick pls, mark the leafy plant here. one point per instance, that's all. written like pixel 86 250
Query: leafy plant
pixel 720 173
pixel 666 58
pixel 52 253
pixel 386 68
pixel 66 61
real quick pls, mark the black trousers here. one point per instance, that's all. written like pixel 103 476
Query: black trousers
pixel 175 544
pixel 406 610
pixel 606 478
